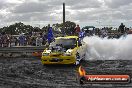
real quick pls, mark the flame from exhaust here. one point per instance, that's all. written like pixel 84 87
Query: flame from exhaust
pixel 82 72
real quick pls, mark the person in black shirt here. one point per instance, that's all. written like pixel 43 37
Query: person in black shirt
pixel 121 28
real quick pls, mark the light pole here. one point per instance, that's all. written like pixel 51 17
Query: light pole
pixel 64 17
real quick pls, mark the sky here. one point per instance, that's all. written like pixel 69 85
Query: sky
pixel 40 13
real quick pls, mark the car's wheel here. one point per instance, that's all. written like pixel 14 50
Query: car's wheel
pixel 77 59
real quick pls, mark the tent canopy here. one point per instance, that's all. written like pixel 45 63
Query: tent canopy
pixel 87 27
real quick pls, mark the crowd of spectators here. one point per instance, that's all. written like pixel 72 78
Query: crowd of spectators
pixel 32 39
pixel 108 32
pixel 41 38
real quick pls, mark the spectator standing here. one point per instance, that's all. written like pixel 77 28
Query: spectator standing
pixel 33 41
pixel 50 35
pixel 21 40
pixel 121 28
pixel 44 37
pixel 0 40
pixel 77 30
pixel 12 41
pixel 16 41
pixel 5 40
pixel 82 34
pixel 103 33
pixel 38 41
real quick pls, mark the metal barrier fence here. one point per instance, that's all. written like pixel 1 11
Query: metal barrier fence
pixel 20 51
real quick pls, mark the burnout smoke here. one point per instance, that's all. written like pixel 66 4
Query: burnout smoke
pixel 109 49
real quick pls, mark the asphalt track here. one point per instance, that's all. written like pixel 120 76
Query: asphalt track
pixel 30 73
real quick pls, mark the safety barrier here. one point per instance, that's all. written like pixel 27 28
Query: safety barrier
pixel 20 51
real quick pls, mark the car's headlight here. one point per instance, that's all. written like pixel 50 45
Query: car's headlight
pixel 45 54
pixel 48 51
pixel 68 52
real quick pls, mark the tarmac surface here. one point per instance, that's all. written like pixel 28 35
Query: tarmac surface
pixel 30 73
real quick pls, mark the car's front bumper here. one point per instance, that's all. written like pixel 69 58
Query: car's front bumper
pixel 58 60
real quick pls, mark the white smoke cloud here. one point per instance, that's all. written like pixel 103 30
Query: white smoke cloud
pixel 109 49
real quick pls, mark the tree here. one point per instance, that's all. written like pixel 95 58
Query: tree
pixel 17 28
pixel 69 27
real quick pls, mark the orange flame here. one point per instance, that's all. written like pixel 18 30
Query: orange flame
pixel 82 72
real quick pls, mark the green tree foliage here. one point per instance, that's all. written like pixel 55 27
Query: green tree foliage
pixel 18 28
pixel 45 29
pixel 69 27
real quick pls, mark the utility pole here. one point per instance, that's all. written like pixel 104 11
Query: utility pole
pixel 64 17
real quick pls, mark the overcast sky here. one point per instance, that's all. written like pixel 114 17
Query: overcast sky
pixel 83 12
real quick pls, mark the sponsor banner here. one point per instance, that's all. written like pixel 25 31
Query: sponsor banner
pixel 102 78
pixel 105 78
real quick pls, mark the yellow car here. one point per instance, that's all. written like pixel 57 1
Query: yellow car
pixel 64 50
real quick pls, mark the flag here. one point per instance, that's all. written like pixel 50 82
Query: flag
pixel 81 34
pixel 50 36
